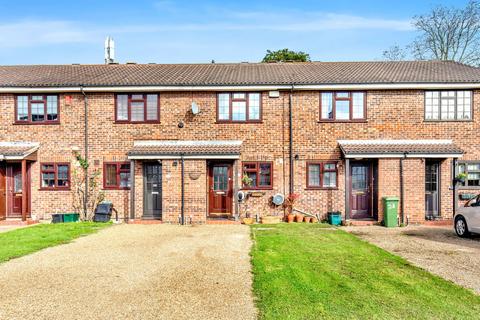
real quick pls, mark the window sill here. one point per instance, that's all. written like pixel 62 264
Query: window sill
pixel 238 122
pixel 468 188
pixel 342 121
pixel 54 189
pixel 115 188
pixel 258 189
pixel 321 188
pixel 137 122
pixel 446 121
pixel 29 123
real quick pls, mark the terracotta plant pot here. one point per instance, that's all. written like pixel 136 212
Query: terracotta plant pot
pixel 290 218
pixel 314 220
pixel 307 219
pixel 299 217
pixel 247 220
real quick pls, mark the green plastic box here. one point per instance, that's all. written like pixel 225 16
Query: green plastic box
pixel 390 212
pixel 71 217
pixel 335 218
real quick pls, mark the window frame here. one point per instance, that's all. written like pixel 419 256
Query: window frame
pixel 55 177
pixel 129 108
pixel 457 171
pixel 247 107
pixel 118 170
pixel 44 101
pixel 257 171
pixel 322 164
pixel 440 106
pixel 350 99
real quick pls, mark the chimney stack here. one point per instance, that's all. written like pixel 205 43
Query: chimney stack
pixel 109 50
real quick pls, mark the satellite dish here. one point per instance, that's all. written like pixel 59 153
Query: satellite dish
pixel 278 199
pixel 241 195
pixel 195 108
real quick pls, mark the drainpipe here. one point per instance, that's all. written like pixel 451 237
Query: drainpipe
pixel 183 189
pixel 454 188
pixel 290 142
pixel 85 198
pixel 402 215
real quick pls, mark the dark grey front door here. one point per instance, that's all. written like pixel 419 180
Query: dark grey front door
pixel 432 174
pixel 152 190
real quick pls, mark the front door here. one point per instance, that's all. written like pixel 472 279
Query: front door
pixel 152 190
pixel 14 189
pixel 432 170
pixel 3 191
pixel 361 191
pixel 220 189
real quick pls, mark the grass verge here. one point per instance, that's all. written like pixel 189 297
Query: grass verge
pixel 19 242
pixel 313 272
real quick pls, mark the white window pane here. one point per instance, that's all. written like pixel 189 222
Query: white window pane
pixel 122 107
pixel 314 175
pixel 342 110
pixel 38 111
pixel 342 94
pixel 223 106
pixel 238 95
pixel 329 179
pixel 22 108
pixel 358 105
pixel 137 96
pixel 137 109
pixel 52 108
pixel 254 106
pixel 327 105
pixel 152 107
pixel 37 98
pixel 239 111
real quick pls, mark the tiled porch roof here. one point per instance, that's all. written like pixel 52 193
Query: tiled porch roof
pixel 163 149
pixel 17 150
pixel 399 148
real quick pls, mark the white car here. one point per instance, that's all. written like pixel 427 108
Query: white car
pixel 467 218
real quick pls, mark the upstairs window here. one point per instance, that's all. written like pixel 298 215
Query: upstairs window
pixel 137 108
pixel 321 175
pixel 342 106
pixel 448 105
pixel 260 174
pixel 116 175
pixel 37 109
pixel 55 176
pixel 239 107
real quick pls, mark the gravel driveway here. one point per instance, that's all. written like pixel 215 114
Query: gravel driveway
pixel 135 272
pixel 436 249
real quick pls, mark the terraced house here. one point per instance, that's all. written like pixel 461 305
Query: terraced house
pixel 172 142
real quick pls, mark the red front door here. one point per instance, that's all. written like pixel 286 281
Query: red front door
pixel 14 189
pixel 220 187
pixel 361 190
pixel 3 192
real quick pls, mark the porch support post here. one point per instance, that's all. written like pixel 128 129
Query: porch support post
pixel 347 188
pixel 24 190
pixel 132 190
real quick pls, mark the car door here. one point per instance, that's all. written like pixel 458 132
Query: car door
pixel 473 219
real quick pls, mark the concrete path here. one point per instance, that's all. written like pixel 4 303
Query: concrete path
pixel 436 249
pixel 135 272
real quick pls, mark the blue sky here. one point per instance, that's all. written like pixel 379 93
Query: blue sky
pixel 168 31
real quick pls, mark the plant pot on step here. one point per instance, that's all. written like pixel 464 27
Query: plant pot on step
pixel 299 217
pixel 314 220
pixel 290 218
pixel 307 219
pixel 247 220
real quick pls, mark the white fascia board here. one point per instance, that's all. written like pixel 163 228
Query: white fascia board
pixel 324 87
pixel 401 155
pixel 166 157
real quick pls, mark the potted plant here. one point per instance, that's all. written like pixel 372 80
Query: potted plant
pixel 289 202
pixel 307 219
pixel 460 178
pixel 247 182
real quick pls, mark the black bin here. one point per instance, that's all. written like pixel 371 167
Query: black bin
pixel 57 218
pixel 103 212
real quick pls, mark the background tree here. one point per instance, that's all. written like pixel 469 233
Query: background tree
pixel 395 53
pixel 446 33
pixel 285 55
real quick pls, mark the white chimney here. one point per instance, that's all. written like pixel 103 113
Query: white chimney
pixel 109 50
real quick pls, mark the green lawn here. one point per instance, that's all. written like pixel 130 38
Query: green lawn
pixel 23 241
pixel 311 272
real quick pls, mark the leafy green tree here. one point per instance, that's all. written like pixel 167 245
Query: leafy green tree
pixel 286 55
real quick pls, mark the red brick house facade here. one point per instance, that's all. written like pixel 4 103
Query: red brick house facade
pixel 175 142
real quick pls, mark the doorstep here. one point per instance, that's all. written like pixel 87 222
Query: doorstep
pixel 360 222
pixel 439 223
pixel 17 222
pixel 143 221
pixel 222 221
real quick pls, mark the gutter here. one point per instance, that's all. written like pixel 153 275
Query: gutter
pixel 85 198
pixel 156 88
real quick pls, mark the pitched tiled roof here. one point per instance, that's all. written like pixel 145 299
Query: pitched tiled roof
pixel 410 148
pixel 220 74
pixel 17 149
pixel 187 148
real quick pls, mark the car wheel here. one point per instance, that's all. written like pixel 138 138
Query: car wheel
pixel 461 227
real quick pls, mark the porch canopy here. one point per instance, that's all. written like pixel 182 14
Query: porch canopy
pixel 18 150
pixel 188 149
pixel 399 149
